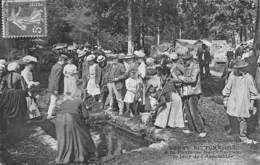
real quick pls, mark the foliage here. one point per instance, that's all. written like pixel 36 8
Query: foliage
pixel 106 20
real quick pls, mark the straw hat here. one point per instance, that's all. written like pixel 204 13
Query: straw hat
pixel 2 67
pixel 139 53
pixel 29 59
pixel 101 58
pixel 2 61
pixel 240 64
pixel 13 66
pixel 60 46
pixel 91 57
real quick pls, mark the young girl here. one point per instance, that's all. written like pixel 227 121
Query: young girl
pixel 239 95
pixel 75 144
pixel 131 97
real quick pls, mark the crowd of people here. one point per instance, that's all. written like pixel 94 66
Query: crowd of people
pixel 168 89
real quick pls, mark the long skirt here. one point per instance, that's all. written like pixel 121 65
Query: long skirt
pixel 172 114
pixel 13 113
pixel 14 103
pixel 70 84
pixel 92 87
pixel 75 144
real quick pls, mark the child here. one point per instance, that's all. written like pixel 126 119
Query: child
pixel 75 144
pixel 131 96
pixel 239 95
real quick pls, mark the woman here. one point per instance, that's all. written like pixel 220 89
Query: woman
pixel 93 87
pixel 13 97
pixel 70 77
pixel 28 77
pixel 75 144
pixel 169 111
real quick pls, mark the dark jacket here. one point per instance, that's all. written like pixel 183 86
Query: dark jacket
pixel 103 76
pixel 56 78
pixel 117 71
pixel 207 57
pixel 191 80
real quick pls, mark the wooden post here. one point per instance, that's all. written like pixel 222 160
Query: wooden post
pixel 129 9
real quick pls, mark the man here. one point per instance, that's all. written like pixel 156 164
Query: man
pixel 204 60
pixel 240 50
pixel 142 71
pixel 27 74
pixel 191 93
pixel 103 66
pixel 55 83
pixel 116 76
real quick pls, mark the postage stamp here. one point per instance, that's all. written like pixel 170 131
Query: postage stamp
pixel 24 18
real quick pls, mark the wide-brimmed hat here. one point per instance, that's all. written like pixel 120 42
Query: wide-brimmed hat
pixel 29 59
pixel 101 58
pixel 187 56
pixel 60 46
pixel 139 53
pixel 240 64
pixel 12 66
pixel 91 57
pixel 3 61
pixel 2 67
pixel 107 51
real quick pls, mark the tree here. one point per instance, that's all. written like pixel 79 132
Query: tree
pixel 129 9
pixel 257 28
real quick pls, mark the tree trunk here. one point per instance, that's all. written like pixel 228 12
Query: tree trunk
pixel 130 46
pixel 257 28
pixel 158 34
pixel 141 15
pixel 98 26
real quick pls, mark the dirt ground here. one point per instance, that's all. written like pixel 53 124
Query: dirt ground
pixel 217 148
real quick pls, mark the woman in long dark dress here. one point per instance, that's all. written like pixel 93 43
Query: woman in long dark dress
pixel 13 106
pixel 75 144
pixel 13 97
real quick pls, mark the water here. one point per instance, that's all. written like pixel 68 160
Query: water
pixel 111 141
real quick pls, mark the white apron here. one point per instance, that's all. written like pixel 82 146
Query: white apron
pixel 92 88
pixel 70 78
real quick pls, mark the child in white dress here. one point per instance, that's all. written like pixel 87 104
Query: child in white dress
pixel 132 85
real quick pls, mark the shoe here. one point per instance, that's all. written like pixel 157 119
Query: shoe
pixel 186 131
pixel 246 140
pixel 203 134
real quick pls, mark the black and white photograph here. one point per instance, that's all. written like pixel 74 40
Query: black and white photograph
pixel 130 82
